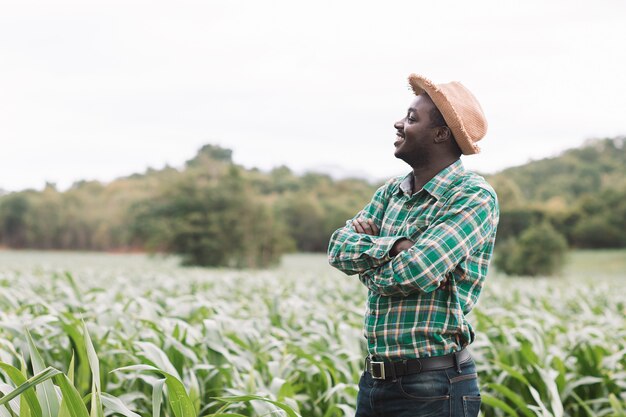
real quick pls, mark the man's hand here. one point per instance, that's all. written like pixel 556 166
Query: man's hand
pixel 400 245
pixel 444 285
pixel 367 227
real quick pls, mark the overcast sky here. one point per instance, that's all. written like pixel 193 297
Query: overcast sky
pixel 98 90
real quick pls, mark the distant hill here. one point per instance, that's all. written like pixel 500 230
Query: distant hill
pixel 598 165
pixel 581 192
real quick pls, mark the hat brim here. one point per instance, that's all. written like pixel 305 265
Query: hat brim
pixel 420 84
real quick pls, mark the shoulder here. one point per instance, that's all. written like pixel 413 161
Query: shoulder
pixel 390 186
pixel 470 186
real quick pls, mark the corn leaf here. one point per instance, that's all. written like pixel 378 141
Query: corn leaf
pixel 64 411
pixel 116 405
pixel 246 398
pixel 29 395
pixel 226 415
pixel 94 365
pixel 616 406
pixel 75 404
pixel 45 391
pixel 513 397
pixel 158 358
pixel 13 406
pixel 40 378
pixel 498 404
pixel 68 324
pixel 178 398
pixel 157 396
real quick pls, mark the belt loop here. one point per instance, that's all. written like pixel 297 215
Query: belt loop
pixel 457 362
pixel 392 366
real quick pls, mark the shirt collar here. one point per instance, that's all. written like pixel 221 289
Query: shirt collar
pixel 438 184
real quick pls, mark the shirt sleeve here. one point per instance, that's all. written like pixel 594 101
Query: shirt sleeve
pixel 469 220
pixel 353 252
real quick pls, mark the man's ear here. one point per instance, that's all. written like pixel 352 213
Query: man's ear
pixel 442 134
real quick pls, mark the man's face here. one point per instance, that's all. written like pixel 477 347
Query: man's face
pixel 415 136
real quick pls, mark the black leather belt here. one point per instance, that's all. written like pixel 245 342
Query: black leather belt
pixel 392 370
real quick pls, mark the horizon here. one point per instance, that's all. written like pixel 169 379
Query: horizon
pixel 339 174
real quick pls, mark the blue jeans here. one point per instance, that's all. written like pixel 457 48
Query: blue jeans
pixel 435 393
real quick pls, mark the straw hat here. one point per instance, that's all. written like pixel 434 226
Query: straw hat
pixel 459 108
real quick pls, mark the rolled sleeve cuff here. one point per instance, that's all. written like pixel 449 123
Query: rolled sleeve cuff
pixel 381 247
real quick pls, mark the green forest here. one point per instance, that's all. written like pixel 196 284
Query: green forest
pixel 214 212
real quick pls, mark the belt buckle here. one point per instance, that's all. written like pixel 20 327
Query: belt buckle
pixel 381 370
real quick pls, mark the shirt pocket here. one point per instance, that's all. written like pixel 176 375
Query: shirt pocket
pixel 390 226
pixel 413 229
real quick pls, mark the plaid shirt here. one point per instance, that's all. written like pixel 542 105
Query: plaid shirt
pixel 410 312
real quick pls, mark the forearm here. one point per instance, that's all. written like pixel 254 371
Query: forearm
pixel 404 274
pixel 357 246
pixel 353 252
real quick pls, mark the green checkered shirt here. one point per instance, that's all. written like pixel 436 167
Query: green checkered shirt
pixel 452 221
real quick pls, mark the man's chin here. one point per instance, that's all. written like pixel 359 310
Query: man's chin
pixel 399 154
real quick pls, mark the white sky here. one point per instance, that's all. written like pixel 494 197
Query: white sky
pixel 98 90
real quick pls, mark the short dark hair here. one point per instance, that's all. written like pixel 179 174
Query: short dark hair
pixel 436 118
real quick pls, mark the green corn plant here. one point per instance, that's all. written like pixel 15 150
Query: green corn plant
pixel 175 342
pixel 38 393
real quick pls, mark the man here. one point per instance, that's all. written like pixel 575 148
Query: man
pixel 422 247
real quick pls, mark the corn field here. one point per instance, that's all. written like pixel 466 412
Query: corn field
pixel 127 335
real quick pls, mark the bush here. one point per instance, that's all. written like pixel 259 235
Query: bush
pixel 304 218
pixel 513 222
pixel 540 250
pixel 597 232
pixel 212 223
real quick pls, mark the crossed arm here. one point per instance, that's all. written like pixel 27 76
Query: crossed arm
pixel 357 247
pixel 368 227
pixel 396 265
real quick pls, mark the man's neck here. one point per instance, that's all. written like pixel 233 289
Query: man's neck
pixel 423 174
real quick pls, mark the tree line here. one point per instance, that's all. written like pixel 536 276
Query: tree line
pixel 214 212
pixel 211 212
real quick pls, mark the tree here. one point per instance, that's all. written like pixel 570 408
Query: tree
pixel 304 219
pixel 513 222
pixel 212 222
pixel 540 250
pixel 13 215
pixel 597 232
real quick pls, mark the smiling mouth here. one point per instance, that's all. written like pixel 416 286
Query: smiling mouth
pixel 399 139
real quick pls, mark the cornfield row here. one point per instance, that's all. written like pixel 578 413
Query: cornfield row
pixel 95 335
